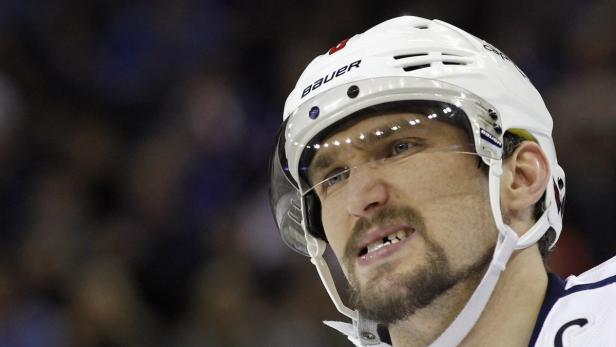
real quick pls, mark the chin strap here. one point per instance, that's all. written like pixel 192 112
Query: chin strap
pixel 507 240
pixel 364 331
pixel 316 248
pixel 468 317
pixel 367 331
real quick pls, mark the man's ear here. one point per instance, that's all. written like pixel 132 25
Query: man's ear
pixel 525 176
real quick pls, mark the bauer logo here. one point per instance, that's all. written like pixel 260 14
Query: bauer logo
pixel 490 138
pixel 329 77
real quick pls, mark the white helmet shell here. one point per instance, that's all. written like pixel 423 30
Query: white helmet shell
pixel 429 49
pixel 413 46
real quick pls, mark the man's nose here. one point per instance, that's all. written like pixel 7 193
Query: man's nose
pixel 367 191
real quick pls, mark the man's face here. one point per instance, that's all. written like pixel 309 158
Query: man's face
pixel 405 212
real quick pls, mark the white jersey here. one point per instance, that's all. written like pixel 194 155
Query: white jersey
pixel 578 312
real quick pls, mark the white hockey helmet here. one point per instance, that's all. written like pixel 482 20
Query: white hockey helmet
pixel 410 59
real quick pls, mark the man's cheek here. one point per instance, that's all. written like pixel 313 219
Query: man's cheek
pixel 347 271
pixel 336 235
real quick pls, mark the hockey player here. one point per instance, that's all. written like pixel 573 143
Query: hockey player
pixel 423 156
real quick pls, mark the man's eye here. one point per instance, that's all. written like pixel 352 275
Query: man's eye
pixel 401 147
pixel 336 177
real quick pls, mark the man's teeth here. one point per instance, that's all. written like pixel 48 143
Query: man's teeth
pixel 387 240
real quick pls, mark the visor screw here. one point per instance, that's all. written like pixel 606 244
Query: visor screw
pixel 493 114
pixel 368 335
pixel 314 112
pixel 353 91
pixel 498 129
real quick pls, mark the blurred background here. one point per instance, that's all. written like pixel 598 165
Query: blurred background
pixel 134 142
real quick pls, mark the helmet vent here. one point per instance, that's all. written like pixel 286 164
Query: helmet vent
pixel 402 56
pixel 415 67
pixel 422 26
pixel 453 63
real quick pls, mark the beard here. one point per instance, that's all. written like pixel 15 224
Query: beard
pixel 413 290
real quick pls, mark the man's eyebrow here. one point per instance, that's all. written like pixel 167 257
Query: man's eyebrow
pixel 322 162
pixel 325 156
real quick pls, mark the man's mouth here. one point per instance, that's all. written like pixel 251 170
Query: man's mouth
pixel 379 243
pixel 385 241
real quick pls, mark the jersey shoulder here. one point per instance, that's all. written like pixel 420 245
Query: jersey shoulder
pixel 594 276
pixel 584 313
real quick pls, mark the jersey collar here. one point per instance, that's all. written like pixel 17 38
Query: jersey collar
pixel 555 290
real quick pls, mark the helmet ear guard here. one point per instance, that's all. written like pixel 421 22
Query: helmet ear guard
pixel 314 225
pixel 285 199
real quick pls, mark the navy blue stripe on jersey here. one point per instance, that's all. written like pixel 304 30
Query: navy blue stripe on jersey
pixel 555 290
pixel 580 287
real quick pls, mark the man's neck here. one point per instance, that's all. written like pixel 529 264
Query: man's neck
pixel 507 320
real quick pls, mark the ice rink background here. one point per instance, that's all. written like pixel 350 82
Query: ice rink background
pixel 134 142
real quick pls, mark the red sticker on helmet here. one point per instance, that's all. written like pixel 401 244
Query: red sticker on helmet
pixel 338 47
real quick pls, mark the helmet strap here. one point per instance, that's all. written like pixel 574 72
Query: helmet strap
pixel 367 331
pixel 316 248
pixel 506 244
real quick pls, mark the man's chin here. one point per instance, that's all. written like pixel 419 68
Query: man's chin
pixel 383 284
pixel 389 297
pixel 385 298
pixel 385 305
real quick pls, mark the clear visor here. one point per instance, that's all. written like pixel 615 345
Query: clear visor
pixel 404 137
pixel 382 139
pixel 395 125
pixel 285 200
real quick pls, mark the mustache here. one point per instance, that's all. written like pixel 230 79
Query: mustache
pixel 382 217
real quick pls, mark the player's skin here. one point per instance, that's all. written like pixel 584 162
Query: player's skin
pixel 450 193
